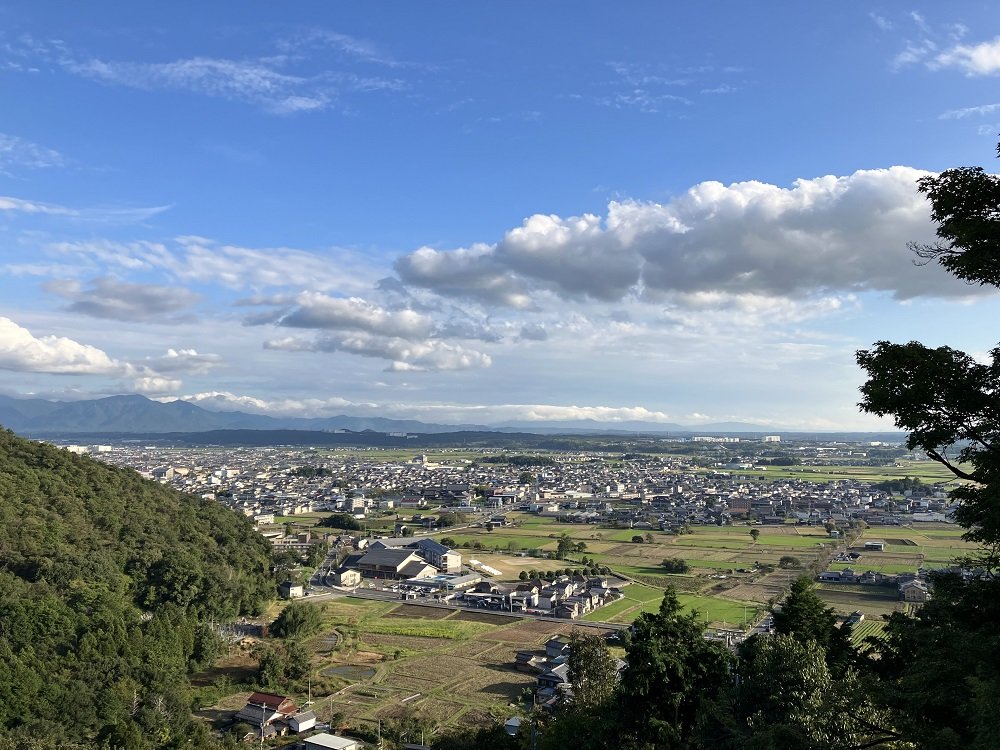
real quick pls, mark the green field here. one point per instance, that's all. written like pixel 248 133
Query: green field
pixel 929 472
pixel 867 628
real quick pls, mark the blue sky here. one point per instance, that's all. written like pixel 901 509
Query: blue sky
pixel 483 212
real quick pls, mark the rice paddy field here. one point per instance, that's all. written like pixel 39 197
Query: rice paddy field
pixel 722 583
pixel 723 577
pixel 380 659
pixel 907 548
pixel 927 471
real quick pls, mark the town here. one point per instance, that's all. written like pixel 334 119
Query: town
pixel 400 523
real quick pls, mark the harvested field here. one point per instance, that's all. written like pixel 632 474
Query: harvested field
pixel 527 631
pixel 396 711
pixel 419 612
pixel 504 684
pixel 437 709
pixel 486 617
pixel 499 653
pixel 502 654
pixel 750 592
pixel 409 682
pixel 472 649
pixel 412 642
pixel 476 717
pixel 438 667
pixel 845 602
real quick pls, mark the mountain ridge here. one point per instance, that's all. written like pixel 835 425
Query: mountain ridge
pixel 135 413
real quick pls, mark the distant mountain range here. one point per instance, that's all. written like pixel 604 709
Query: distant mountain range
pixel 140 415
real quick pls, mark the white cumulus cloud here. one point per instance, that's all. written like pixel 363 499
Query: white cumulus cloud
pixel 22 351
pixel 430 355
pixel 826 234
pixel 981 59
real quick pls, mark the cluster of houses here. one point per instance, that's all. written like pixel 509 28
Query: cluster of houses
pixel 272 715
pixel 398 559
pixel 569 597
pixel 662 491
pixel 425 565
pixel 911 587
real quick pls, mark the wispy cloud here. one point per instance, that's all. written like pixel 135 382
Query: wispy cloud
pixel 958 114
pixel 725 88
pixel 19 152
pixel 20 205
pixel 654 88
pixel 941 48
pixel 363 50
pixel 881 21
pixel 288 83
pixel 202 260
pixel 96 215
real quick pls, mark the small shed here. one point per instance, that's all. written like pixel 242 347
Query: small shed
pixel 513 725
pixel 327 741
pixel 290 590
pixel 347 577
pixel 302 722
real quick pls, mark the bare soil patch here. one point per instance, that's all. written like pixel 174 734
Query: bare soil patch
pixel 526 631
pixel 751 592
pixel 489 619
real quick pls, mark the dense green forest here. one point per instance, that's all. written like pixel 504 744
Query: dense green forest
pixel 109 585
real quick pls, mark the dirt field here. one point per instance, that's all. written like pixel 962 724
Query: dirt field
pixel 419 612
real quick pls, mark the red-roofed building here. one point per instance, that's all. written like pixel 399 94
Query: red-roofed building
pixel 264 708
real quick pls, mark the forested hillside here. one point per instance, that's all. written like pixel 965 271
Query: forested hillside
pixel 108 584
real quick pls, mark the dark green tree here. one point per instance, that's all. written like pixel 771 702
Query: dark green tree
pixel 297 660
pixel 341 521
pixel 940 670
pixel 965 204
pixel 675 565
pixel 672 671
pixel 593 671
pixel 297 621
pixel 805 617
pixel 786 698
pixel 271 666
pixel 564 545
